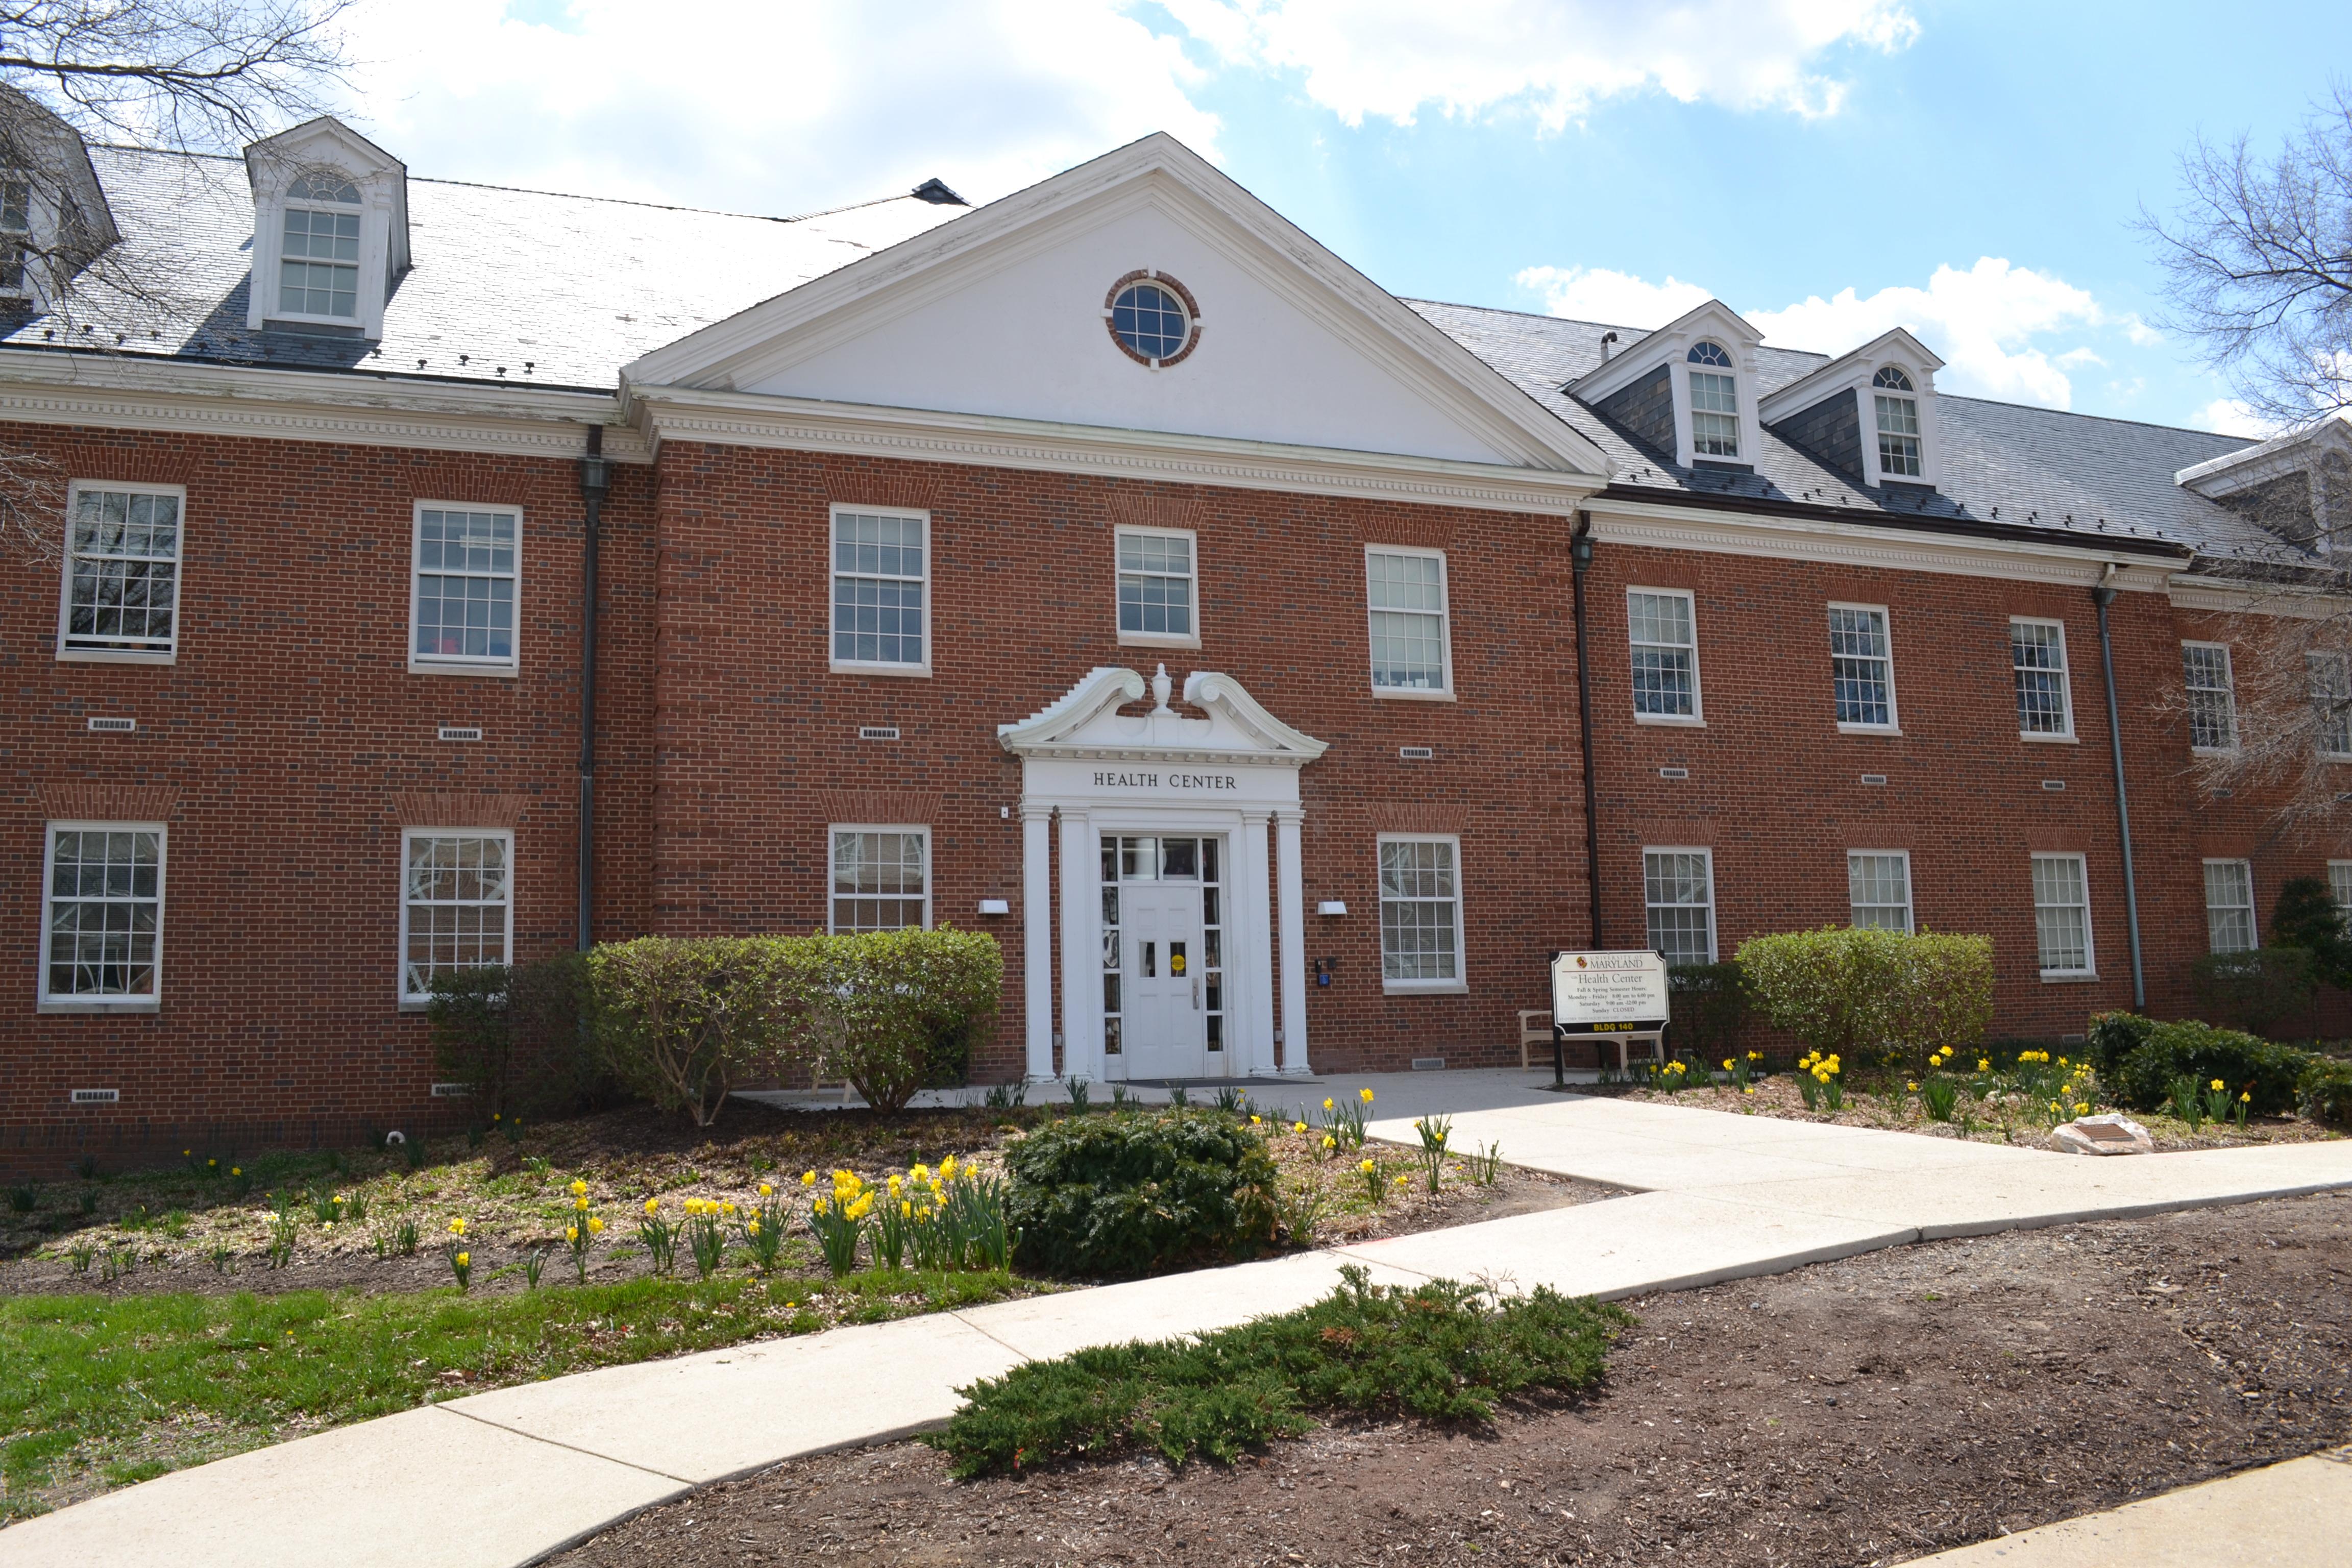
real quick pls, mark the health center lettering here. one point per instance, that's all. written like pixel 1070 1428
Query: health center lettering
pixel 1109 780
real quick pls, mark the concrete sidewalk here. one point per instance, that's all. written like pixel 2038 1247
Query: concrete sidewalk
pixel 504 1478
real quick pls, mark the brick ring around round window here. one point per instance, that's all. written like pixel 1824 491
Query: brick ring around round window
pixel 1153 319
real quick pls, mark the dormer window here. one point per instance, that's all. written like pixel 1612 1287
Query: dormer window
pixel 318 268
pixel 15 232
pixel 1898 424
pixel 1715 402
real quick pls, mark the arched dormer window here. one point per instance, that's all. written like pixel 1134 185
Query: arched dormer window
pixel 1897 410
pixel 1715 402
pixel 319 264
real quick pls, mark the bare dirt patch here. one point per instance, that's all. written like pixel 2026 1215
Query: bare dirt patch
pixel 1864 1411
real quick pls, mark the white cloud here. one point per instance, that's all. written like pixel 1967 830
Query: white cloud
pixel 2229 417
pixel 1618 299
pixel 765 107
pixel 2075 359
pixel 1557 59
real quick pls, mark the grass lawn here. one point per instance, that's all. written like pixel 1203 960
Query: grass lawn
pixel 101 1391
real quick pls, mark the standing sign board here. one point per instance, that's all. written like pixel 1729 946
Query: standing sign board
pixel 1618 996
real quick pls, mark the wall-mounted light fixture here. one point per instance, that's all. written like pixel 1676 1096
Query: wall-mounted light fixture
pixel 1332 907
pixel 995 907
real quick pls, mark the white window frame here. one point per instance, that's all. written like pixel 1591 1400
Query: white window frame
pixel 2339 692
pixel 1910 894
pixel 1443 693
pixel 931 866
pixel 833 576
pixel 1696 718
pixel 2254 925
pixel 289 203
pixel 1714 926
pixel 45 1002
pixel 2339 885
pixel 1147 640
pixel 2090 970
pixel 1894 725
pixel 417 1001
pixel 2065 682
pixel 451 663
pixel 1906 399
pixel 1461 981
pixel 2229 689
pixel 179 578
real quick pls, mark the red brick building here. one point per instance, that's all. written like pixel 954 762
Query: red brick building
pixel 1110 569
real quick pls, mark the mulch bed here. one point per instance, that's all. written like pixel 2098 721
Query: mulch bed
pixel 1852 1412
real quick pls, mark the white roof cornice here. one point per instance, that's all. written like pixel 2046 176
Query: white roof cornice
pixel 1668 343
pixel 1894 346
pixel 1159 169
pixel 2294 452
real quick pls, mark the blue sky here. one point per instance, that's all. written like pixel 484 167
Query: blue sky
pixel 1828 167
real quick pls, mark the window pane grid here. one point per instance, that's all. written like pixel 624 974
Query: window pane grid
pixel 1878 890
pixel 2212 704
pixel 2229 906
pixel 1861 670
pixel 2037 658
pixel 105 913
pixel 1419 911
pixel 465 585
pixel 454 899
pixel 1715 415
pixel 318 273
pixel 1407 596
pixel 2061 914
pixel 878 589
pixel 2331 701
pixel 880 880
pixel 123 590
pixel 1898 437
pixel 1155 585
pixel 1665 655
pixel 1150 319
pixel 1679 894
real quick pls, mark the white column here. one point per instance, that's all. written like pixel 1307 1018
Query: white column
pixel 1290 903
pixel 1255 949
pixel 1081 949
pixel 1037 937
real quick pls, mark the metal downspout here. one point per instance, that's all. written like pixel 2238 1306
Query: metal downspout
pixel 595 480
pixel 2103 594
pixel 1580 552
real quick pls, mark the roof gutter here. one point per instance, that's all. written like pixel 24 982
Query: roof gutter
pixel 2154 550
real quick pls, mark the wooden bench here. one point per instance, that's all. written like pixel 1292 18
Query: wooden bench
pixel 1534 1032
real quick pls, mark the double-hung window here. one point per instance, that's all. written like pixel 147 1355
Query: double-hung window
pixel 1715 402
pixel 2037 667
pixel 1678 893
pixel 881 591
pixel 1420 914
pixel 1898 424
pixel 1157 588
pixel 1412 645
pixel 2331 703
pixel 2339 883
pixel 1878 888
pixel 2212 698
pixel 2061 916
pixel 881 880
pixel 102 915
pixel 15 232
pixel 457 903
pixel 1861 667
pixel 462 605
pixel 2229 906
pixel 1663 629
pixel 319 264
pixel 121 574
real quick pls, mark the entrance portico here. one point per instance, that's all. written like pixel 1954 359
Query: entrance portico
pixel 1172 909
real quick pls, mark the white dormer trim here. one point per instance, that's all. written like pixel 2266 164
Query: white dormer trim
pixel 2258 463
pixel 327 147
pixel 1855 375
pixel 67 221
pixel 1670 345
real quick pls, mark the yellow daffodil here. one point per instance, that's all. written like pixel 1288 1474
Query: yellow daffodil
pixel 1253 1121
pixel 456 1227
pixel 1367 1167
pixel 1984 1064
pixel 948 1169
pixel 726 1208
pixel 895 1180
pixel 751 1227
pixel 1298 1127
pixel 1326 1102
pixel 808 1178
pixel 1726 1064
pixel 1911 1085
pixel 580 1202
pixel 766 1191
pixel 1365 1095
pixel 578 1186
pixel 653 1205
pixel 1330 1142
pixel 236 1170
pixel 463 1259
pixel 2217 1086
pixel 2082 1111
pixel 571 1233
pixel 2247 1098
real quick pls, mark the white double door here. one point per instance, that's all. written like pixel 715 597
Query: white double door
pixel 1164 981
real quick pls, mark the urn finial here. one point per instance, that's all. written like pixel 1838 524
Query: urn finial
pixel 1161 687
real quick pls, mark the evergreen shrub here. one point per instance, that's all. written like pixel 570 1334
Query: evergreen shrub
pixel 1117 1197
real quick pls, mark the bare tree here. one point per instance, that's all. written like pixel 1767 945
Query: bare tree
pixel 2257 261
pixel 183 76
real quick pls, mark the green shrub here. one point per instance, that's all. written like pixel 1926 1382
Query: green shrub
pixel 2114 1036
pixel 1855 994
pixel 2256 990
pixel 1708 1003
pixel 2308 917
pixel 1121 1196
pixel 468 1016
pixel 895 1011
pixel 2324 1090
pixel 517 1036
pixel 681 1020
pixel 1441 1351
pixel 2244 1063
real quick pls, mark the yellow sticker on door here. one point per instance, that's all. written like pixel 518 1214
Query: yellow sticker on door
pixel 1175 958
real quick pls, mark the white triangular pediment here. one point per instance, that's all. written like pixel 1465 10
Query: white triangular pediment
pixel 1001 313
pixel 1085 724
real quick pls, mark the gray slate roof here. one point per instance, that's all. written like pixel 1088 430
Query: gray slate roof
pixel 525 288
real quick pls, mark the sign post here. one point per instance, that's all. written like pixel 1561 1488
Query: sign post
pixel 1619 996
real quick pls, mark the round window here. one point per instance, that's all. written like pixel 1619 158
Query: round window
pixel 1152 318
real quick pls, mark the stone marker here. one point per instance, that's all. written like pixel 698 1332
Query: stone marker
pixel 2108 1134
